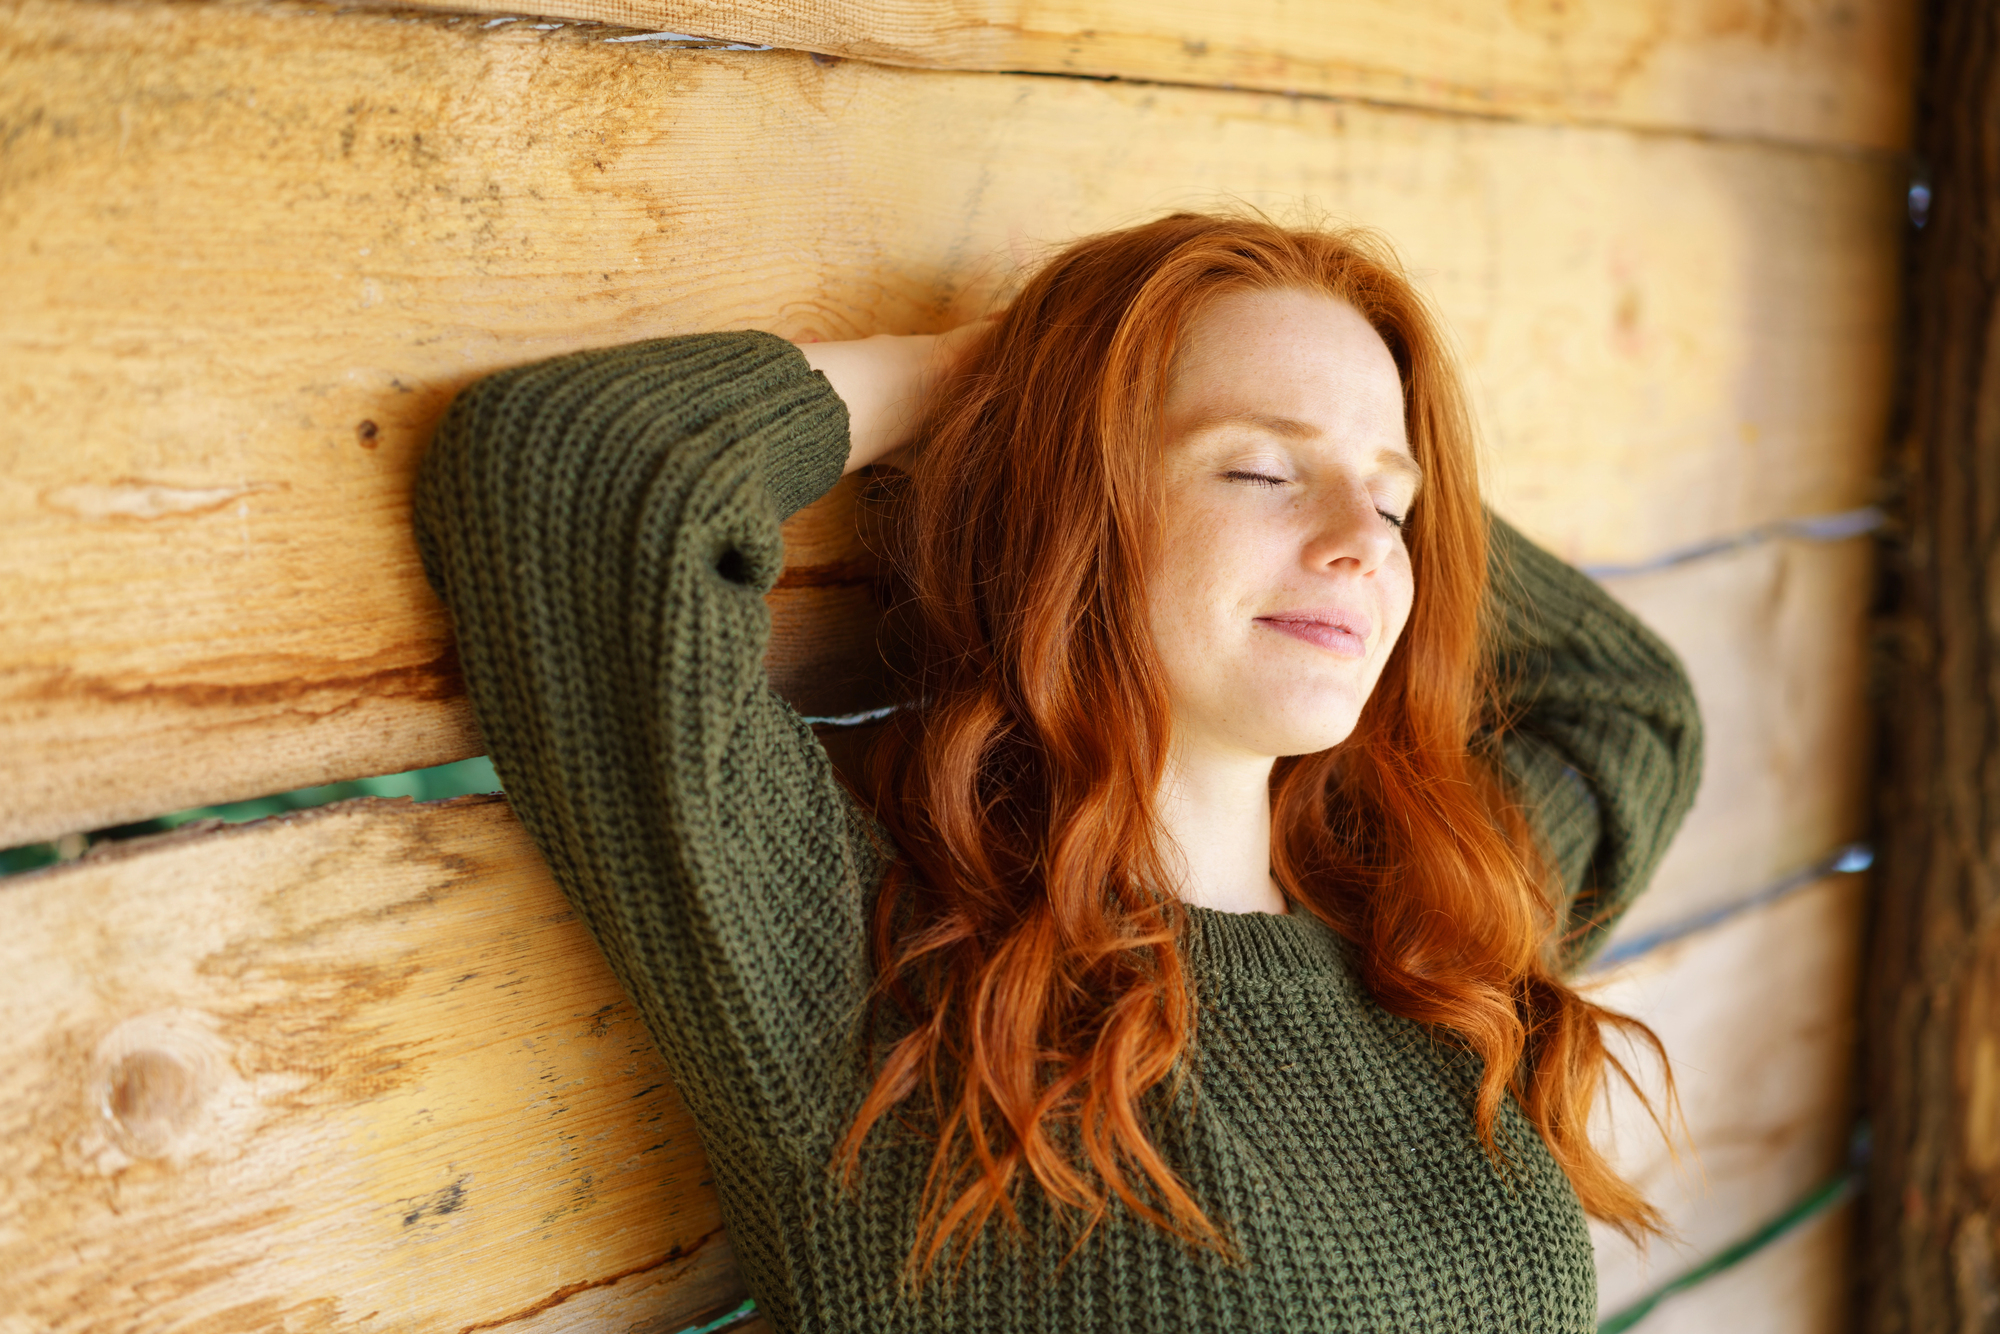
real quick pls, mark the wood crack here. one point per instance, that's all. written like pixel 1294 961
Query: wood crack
pixel 569 1290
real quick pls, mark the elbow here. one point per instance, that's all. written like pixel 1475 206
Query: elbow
pixel 1682 726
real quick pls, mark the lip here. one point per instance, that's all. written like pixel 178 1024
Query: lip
pixel 1335 629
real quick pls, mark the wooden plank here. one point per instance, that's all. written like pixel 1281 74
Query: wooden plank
pixel 1822 73
pixel 207 588
pixel 357 1069
pixel 1930 1249
pixel 1775 639
pixel 1759 1018
pixel 1804 1284
pixel 283 1068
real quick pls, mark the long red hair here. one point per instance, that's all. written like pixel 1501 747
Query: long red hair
pixel 1027 932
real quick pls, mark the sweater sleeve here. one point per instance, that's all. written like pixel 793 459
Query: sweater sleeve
pixel 603 528
pixel 1601 737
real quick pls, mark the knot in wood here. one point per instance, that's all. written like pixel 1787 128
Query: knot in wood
pixel 154 1098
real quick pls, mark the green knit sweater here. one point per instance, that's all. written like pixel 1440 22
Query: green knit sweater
pixel 603 527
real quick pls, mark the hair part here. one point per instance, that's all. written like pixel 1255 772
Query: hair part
pixel 1026 936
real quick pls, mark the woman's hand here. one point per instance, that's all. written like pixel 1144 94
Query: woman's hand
pixel 884 381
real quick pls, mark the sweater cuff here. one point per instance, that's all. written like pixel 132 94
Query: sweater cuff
pixel 804 466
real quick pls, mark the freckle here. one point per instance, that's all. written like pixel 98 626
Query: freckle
pixel 366 433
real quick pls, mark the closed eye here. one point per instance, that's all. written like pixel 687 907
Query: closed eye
pixel 1397 521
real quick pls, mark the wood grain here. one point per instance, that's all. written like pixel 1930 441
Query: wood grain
pixel 274 1074
pixel 1802 1284
pixel 359 1069
pixel 1759 1017
pixel 1821 72
pixel 1931 1238
pixel 255 248
pixel 1775 639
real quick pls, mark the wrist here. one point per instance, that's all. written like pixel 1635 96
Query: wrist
pixel 882 379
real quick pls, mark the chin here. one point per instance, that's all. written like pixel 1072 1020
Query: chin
pixel 1314 745
pixel 1299 714
pixel 1328 728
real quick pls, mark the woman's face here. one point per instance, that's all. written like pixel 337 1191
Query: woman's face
pixel 1281 582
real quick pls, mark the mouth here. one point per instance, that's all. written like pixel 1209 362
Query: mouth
pixel 1342 633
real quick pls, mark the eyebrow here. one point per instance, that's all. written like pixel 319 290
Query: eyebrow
pixel 1291 428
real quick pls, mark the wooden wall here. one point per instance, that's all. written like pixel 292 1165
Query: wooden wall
pixel 1932 1251
pixel 255 247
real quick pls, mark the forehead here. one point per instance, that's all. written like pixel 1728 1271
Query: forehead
pixel 1288 356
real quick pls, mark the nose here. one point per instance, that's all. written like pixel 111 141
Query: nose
pixel 1349 531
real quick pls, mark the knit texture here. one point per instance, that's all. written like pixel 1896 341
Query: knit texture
pixel 604 526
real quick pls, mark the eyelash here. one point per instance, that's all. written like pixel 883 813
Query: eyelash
pixel 1397 521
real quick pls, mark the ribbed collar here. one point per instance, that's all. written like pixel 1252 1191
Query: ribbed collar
pixel 1257 945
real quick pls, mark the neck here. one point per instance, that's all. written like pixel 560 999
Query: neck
pixel 1216 812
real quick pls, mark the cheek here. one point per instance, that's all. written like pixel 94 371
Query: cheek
pixel 1176 600
pixel 1400 595
pixel 1204 565
pixel 1395 596
pixel 1191 593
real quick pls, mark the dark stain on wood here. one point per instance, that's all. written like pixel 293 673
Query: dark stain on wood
pixel 437 1204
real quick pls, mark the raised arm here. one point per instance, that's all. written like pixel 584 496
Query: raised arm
pixel 884 381
pixel 1602 739
pixel 603 527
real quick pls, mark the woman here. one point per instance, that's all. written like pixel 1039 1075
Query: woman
pixel 1191 956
